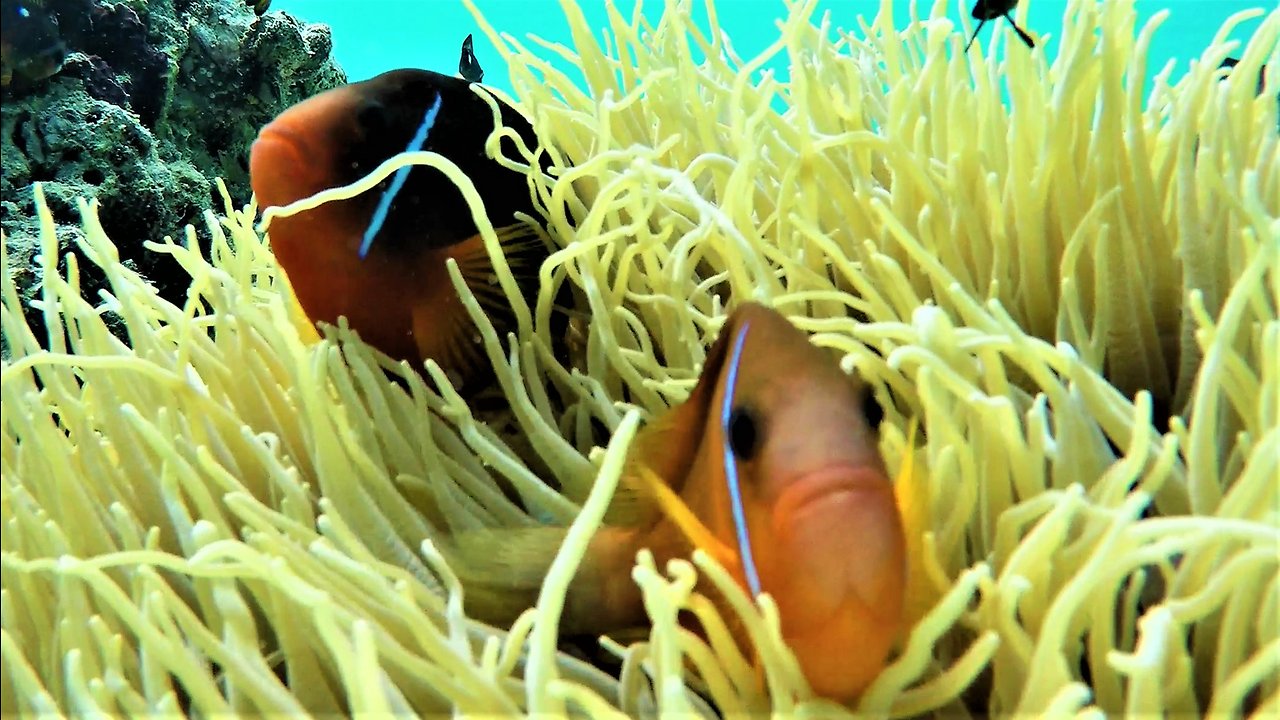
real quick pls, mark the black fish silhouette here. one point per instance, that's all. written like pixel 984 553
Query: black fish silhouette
pixel 984 10
pixel 468 66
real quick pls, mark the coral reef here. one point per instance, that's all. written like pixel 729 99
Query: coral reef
pixel 227 515
pixel 154 99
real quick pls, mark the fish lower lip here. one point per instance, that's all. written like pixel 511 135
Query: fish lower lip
pixel 814 487
pixel 273 134
pixel 281 168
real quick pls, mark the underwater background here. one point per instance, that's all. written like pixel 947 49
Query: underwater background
pixel 372 37
pixel 216 502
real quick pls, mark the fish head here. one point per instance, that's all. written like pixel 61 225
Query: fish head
pixel 338 137
pixel 341 135
pixel 334 139
pixel 31 46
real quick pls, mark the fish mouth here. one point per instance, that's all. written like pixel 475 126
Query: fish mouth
pixel 840 531
pixel 282 158
pixel 276 133
pixel 811 493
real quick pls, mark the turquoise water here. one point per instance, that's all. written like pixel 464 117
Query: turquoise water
pixel 379 35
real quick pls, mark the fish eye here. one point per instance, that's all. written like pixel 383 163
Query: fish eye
pixel 372 117
pixel 744 436
pixel 871 409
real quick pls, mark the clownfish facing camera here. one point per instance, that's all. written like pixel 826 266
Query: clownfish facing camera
pixel 772 466
pixel 380 258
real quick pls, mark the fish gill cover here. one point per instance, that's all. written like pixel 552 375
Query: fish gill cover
pixel 225 513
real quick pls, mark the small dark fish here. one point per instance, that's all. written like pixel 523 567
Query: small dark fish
pixel 1262 80
pixel 260 7
pixel 468 66
pixel 984 10
pixel 31 47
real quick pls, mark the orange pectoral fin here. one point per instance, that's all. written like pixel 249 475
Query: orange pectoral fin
pixel 297 316
pixel 911 489
pixel 685 521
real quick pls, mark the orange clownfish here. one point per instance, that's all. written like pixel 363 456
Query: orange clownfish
pixel 380 258
pixel 774 454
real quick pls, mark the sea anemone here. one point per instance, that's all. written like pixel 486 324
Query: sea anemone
pixel 1073 289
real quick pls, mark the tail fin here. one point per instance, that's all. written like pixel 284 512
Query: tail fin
pixel 502 571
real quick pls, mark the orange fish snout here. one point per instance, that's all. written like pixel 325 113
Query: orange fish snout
pixel 834 560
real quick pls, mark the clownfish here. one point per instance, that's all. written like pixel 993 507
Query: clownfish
pixel 380 258
pixel 772 466
pixel 984 10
